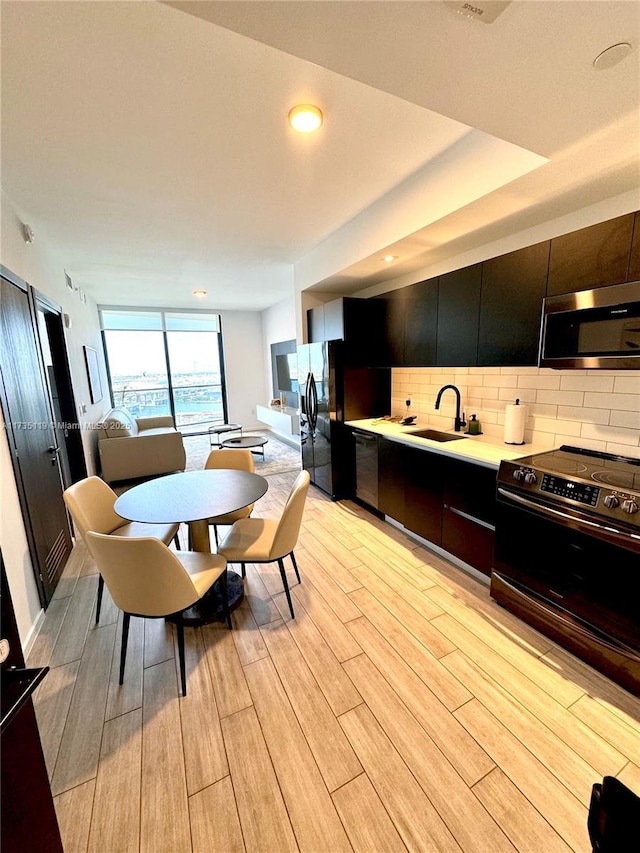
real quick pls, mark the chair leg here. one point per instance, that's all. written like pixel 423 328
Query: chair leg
pixel 215 533
pixel 295 566
pixel 176 540
pixel 126 617
pixel 225 599
pixel 100 591
pixel 243 569
pixel 183 676
pixel 283 575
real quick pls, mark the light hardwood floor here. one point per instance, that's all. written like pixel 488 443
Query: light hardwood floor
pixel 401 709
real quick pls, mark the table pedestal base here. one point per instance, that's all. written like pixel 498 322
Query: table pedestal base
pixel 209 608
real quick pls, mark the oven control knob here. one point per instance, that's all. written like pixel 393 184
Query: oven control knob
pixel 518 474
pixel 530 478
pixel 611 501
pixel 630 506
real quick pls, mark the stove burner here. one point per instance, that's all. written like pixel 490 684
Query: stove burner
pixel 566 466
pixel 618 479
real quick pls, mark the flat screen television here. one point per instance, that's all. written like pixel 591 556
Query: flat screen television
pixel 286 370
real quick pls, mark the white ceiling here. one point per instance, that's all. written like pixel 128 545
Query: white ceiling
pixel 149 143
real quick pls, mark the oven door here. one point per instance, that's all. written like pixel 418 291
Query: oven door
pixel 581 590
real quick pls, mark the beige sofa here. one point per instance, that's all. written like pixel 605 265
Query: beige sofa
pixel 130 447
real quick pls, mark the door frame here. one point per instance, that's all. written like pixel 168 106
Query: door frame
pixel 62 372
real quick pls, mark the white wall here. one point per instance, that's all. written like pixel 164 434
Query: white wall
pixel 597 409
pixel 278 324
pixel 244 365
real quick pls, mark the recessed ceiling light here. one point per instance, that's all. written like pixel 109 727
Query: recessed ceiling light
pixel 389 258
pixel 305 118
pixel 200 293
pixel 612 55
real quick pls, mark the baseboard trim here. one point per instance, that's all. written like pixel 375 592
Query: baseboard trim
pixel 32 636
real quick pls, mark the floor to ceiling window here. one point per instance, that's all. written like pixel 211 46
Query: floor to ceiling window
pixel 166 362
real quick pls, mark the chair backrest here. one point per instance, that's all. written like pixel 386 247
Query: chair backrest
pixel 239 460
pixel 288 530
pixel 90 502
pixel 143 576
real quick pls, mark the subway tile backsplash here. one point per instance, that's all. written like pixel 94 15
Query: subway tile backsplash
pixel 596 409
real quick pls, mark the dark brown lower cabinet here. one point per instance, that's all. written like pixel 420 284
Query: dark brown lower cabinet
pixel 391 479
pixel 467 539
pixel 423 494
pixel 446 501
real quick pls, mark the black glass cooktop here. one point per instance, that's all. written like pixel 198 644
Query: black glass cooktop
pixel 619 472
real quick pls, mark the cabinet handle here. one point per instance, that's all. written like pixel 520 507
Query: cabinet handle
pixel 471 518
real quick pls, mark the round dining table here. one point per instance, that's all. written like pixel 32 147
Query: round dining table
pixel 193 497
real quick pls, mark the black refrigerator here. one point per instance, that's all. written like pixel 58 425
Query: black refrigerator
pixel 331 393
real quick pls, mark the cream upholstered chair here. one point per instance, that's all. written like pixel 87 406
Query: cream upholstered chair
pixel 146 579
pixel 90 502
pixel 238 460
pixel 267 540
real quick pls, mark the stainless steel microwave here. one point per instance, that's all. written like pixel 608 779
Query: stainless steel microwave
pixel 592 328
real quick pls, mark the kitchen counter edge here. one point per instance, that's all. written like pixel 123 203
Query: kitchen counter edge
pixel 478 448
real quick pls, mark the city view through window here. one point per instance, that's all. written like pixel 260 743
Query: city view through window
pixel 182 377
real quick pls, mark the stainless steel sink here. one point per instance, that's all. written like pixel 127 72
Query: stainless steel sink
pixel 434 435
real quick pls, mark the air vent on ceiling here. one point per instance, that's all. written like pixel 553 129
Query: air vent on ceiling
pixel 483 10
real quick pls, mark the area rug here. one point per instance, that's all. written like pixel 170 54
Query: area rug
pixel 278 457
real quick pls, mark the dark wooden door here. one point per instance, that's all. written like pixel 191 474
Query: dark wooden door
pixel 458 317
pixel 513 287
pixel 32 439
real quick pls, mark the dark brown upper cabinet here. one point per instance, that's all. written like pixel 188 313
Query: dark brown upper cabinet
pixel 391 344
pixel 421 324
pixel 357 322
pixel 634 259
pixel 592 257
pixel 513 287
pixel 458 317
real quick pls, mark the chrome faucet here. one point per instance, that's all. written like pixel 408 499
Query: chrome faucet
pixel 459 421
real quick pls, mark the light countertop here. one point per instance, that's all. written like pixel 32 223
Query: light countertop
pixel 483 449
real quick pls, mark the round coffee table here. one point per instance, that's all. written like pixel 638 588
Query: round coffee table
pixel 220 429
pixel 249 442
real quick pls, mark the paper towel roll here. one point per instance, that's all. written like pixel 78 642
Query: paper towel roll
pixel 515 415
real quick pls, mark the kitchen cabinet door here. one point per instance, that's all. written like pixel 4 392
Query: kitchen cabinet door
pixel 421 324
pixel 391 479
pixel 458 317
pixel 393 336
pixel 469 513
pixel 334 320
pixel 423 493
pixel 591 257
pixel 363 332
pixel 315 325
pixel 513 287
pixel 634 259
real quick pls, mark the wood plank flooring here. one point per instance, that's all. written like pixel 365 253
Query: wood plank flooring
pixel 401 709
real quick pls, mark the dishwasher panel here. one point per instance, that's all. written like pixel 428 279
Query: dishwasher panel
pixel 366 468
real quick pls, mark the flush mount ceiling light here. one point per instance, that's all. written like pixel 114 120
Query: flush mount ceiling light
pixel 305 118
pixel 389 258
pixel 612 55
pixel 200 293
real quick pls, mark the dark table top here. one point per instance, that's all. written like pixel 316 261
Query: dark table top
pixel 191 496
